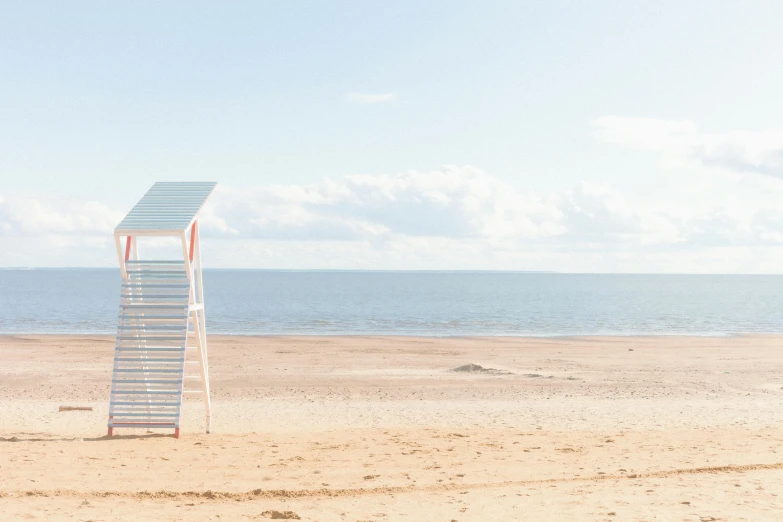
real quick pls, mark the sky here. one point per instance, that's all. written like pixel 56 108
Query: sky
pixel 631 137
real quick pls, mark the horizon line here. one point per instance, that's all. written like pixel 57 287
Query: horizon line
pixel 417 270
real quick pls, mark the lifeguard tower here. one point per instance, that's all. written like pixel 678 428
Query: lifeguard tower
pixel 160 331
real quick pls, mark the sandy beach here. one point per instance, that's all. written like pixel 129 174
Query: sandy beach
pixel 383 428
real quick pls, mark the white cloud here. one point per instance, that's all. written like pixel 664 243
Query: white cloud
pixel 737 151
pixel 456 202
pixel 599 213
pixel 23 215
pixel 369 98
pixel 450 218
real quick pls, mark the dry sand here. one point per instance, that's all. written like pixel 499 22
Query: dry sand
pixel 381 428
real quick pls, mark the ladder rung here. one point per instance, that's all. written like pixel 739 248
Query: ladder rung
pixel 148 369
pixel 152 262
pixel 147 392
pixel 169 297
pixel 151 360
pixel 129 414
pixel 143 306
pixel 171 328
pixel 157 402
pixel 150 317
pixel 146 381
pixel 157 271
pixel 148 349
pixel 141 338
pixel 155 284
pixel 145 405
pixel 142 424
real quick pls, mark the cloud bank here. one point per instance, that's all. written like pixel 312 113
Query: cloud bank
pixel 450 218
pixel 454 202
pixel 30 216
pixel 736 151
pixel 459 217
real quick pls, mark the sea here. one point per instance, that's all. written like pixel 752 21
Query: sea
pixel 275 302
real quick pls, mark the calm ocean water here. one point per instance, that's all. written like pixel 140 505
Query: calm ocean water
pixel 414 303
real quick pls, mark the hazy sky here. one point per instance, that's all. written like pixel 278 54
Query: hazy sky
pixel 571 136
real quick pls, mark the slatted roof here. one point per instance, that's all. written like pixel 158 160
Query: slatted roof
pixel 167 206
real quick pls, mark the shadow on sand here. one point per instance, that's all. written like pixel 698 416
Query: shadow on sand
pixel 129 437
pixel 87 439
pixel 37 439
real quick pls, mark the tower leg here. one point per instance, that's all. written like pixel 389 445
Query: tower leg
pixel 111 432
pixel 176 433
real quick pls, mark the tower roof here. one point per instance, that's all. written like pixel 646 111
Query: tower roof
pixel 169 206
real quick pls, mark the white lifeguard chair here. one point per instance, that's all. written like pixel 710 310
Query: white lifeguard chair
pixel 161 318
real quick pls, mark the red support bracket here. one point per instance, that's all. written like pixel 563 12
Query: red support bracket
pixel 193 238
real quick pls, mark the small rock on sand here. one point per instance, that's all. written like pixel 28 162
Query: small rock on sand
pixel 280 515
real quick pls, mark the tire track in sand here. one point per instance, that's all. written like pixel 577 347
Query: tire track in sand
pixel 261 494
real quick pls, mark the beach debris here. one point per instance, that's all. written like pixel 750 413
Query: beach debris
pixel 75 408
pixel 475 368
pixel 280 515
